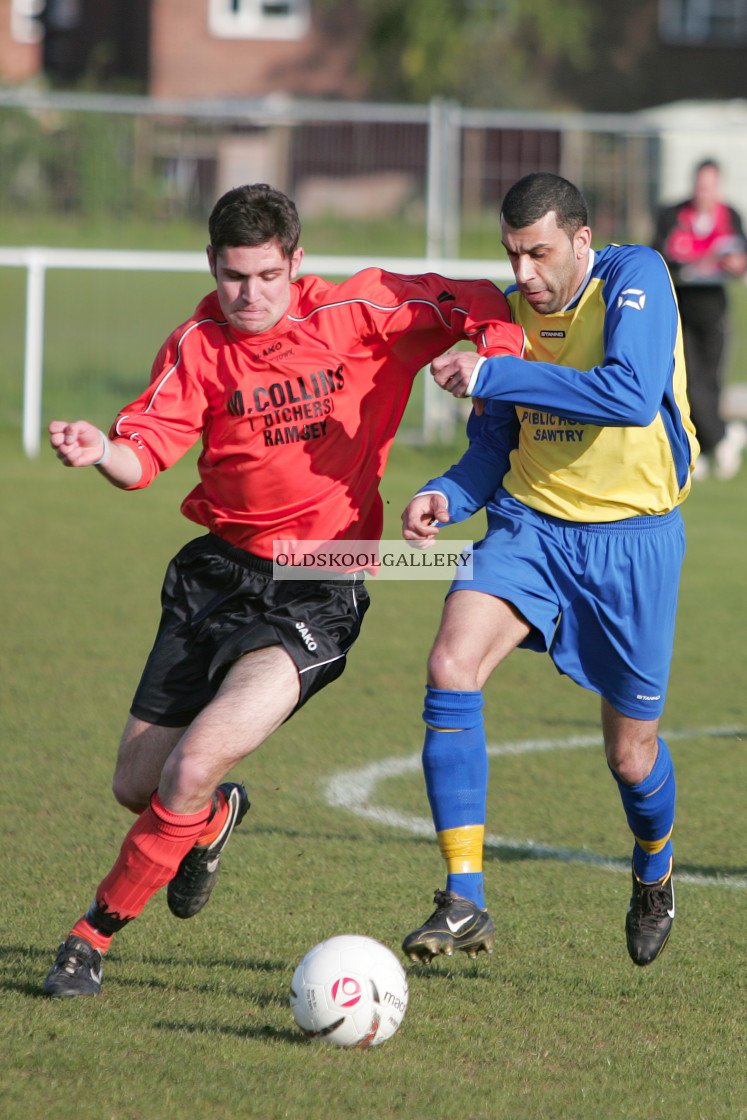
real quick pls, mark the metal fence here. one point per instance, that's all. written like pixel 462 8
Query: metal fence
pixel 439 412
pixel 440 166
pixel 437 172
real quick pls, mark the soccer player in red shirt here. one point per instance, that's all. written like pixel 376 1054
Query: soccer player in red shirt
pixel 295 387
pixel 703 242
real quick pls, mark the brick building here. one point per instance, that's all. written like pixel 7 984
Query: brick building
pixel 180 48
pixel 643 53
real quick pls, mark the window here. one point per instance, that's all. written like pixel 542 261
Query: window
pixel 705 23
pixel 25 26
pixel 259 19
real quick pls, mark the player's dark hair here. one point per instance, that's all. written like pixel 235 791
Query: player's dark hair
pixel 708 163
pixel 537 194
pixel 253 215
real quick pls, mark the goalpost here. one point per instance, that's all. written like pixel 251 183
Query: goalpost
pixel 438 410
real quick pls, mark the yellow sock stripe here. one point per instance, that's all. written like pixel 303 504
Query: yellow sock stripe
pixel 653 791
pixel 462 848
pixel 447 730
pixel 653 846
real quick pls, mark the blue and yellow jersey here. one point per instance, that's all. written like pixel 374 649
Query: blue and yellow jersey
pixel 592 424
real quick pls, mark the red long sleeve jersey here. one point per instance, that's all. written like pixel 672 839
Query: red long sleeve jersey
pixel 297 422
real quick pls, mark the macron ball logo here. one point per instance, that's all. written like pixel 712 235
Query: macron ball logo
pixel 346 992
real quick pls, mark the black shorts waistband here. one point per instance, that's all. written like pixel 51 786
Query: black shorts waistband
pixel 239 555
pixel 266 567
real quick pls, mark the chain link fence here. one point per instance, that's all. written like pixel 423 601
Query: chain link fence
pixel 418 181
pixel 439 167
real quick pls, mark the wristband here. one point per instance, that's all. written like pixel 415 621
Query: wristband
pixel 105 452
pixel 473 379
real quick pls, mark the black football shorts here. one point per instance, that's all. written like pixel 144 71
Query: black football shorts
pixel 219 602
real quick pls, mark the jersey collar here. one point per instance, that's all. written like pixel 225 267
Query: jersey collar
pixel 577 295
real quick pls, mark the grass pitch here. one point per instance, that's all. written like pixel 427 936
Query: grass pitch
pixel 194 1019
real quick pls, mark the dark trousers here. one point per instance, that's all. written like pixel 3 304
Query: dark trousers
pixel 703 311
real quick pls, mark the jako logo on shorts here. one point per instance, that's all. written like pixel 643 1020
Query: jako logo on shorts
pixel 306 634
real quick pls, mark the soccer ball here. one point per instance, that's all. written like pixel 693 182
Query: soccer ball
pixel 349 991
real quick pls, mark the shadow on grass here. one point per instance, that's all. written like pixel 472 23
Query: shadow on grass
pixel 238 964
pixel 21 957
pixel 457 969
pixel 347 834
pixel 153 984
pixel 265 1031
pixel 15 959
pixel 717 874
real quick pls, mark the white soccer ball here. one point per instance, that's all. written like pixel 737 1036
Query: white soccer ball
pixel 349 991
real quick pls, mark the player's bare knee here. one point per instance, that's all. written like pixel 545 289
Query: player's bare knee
pixel 130 797
pixel 452 668
pixel 632 763
pixel 188 781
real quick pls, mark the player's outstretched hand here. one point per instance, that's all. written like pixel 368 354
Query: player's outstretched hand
pixel 419 521
pixel 77 443
pixel 453 371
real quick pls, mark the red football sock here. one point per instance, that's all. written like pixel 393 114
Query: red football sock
pixel 93 936
pixel 149 858
pixel 215 822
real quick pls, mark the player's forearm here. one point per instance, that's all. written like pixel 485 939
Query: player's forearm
pixel 120 465
pixel 469 484
pixel 611 394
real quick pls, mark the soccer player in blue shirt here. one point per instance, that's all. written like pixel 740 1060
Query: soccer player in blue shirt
pixel 581 452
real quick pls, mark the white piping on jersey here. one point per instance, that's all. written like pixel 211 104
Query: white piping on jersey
pixel 297 319
pixel 584 282
pixel 164 377
pixel 377 307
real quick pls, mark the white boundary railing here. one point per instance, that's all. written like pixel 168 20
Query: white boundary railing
pixel 38 260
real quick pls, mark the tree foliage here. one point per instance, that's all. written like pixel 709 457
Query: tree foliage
pixel 484 53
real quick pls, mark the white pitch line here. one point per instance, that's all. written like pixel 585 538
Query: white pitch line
pixel 354 791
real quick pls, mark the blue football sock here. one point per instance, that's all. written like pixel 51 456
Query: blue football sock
pixel 455 764
pixel 649 807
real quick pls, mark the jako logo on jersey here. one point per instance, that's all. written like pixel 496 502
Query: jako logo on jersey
pixel 278 345
pixel 638 302
pixel 306 635
pixel 445 296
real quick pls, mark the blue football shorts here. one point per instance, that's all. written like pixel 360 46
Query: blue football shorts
pixel 600 598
